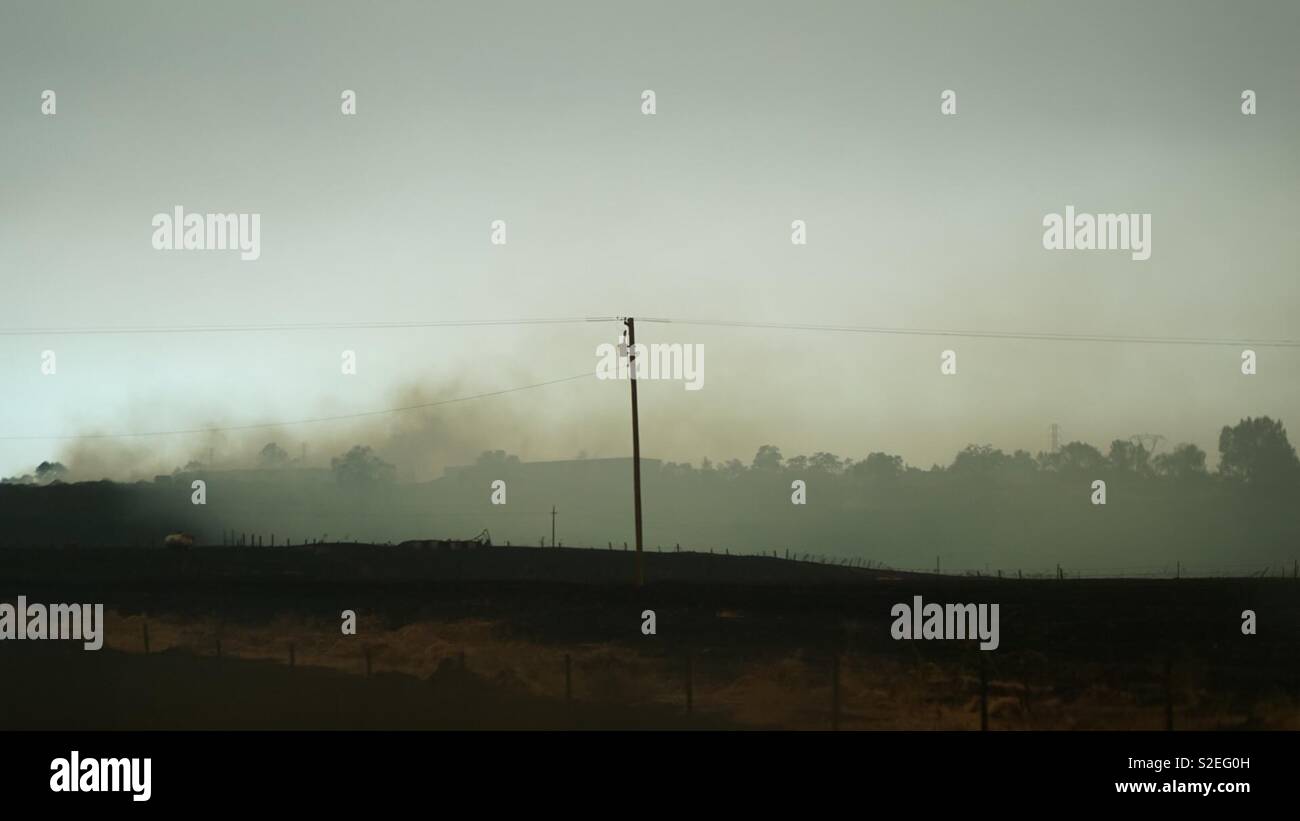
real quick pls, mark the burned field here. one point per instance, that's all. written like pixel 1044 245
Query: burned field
pixel 537 638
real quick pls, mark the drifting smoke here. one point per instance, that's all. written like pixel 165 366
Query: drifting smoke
pixel 419 441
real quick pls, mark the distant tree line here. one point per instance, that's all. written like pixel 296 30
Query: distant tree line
pixel 1255 451
pixel 46 473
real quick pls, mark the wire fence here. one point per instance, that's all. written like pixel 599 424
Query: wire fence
pixel 1133 686
pixel 1178 570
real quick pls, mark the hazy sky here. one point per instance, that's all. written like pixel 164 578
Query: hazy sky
pixel 531 113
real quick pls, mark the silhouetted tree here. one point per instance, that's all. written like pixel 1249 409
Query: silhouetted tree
pixel 360 467
pixel 879 466
pixel 677 470
pixel 768 458
pixel 825 462
pixel 978 460
pixel 1183 462
pixel 1257 451
pixel 494 458
pixel 47 472
pixel 272 456
pixel 1021 463
pixel 732 468
pixel 1076 457
pixel 1129 457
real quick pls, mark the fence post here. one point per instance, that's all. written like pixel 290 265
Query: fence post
pixel 568 677
pixel 984 693
pixel 690 683
pixel 146 638
pixel 835 691
pixel 1169 694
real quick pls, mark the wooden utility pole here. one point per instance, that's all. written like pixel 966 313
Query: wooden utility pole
pixel 636 444
pixel 552 525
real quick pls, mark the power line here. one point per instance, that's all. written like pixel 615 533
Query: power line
pixel 720 323
pixel 1027 335
pixel 302 326
pixel 261 425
